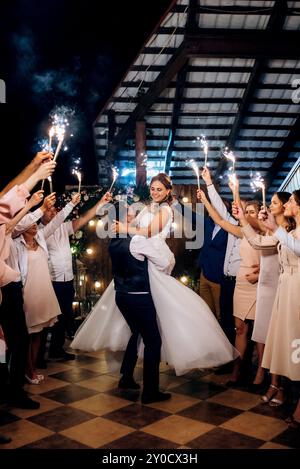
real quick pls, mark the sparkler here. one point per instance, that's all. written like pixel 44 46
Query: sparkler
pixel 115 175
pixel 196 169
pixel 233 180
pixel 258 183
pixel 51 135
pixel 50 184
pixel 60 133
pixel 78 174
pixel 205 149
pixel 230 156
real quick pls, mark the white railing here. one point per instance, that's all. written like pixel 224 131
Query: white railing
pixel 292 181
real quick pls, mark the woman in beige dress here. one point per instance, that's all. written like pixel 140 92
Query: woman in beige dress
pixel 268 280
pixel 40 303
pixel 282 349
pixel 244 300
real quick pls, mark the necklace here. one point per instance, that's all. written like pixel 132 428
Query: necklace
pixel 32 244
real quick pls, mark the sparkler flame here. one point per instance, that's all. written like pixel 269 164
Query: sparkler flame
pixel 258 183
pixel 196 169
pixel 115 175
pixel 79 177
pixel 205 149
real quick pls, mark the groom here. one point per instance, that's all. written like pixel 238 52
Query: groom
pixel 129 258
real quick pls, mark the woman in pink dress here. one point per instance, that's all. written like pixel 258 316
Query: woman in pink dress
pixel 40 303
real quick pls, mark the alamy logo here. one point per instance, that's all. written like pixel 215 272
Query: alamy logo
pixel 296 353
pixel 296 92
pixel 2 92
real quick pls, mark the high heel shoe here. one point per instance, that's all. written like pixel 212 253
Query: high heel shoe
pixel 275 402
pixel 32 380
pixel 292 422
pixel 273 391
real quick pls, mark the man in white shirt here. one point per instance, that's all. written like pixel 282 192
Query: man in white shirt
pixel 61 271
pixel 231 262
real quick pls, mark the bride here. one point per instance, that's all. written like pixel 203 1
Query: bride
pixel 191 335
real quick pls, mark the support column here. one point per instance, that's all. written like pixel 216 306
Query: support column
pixel 140 153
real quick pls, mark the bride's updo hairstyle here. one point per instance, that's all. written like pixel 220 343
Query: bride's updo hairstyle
pixel 165 180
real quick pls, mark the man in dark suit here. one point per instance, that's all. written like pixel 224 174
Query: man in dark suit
pixel 129 258
pixel 211 262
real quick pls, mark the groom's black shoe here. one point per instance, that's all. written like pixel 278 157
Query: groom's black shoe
pixel 156 397
pixel 128 383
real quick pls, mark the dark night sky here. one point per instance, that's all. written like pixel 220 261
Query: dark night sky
pixel 62 52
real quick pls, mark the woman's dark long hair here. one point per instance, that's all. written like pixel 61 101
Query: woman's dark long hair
pixel 284 198
pixel 165 180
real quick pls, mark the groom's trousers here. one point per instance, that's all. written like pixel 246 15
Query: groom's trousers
pixel 140 315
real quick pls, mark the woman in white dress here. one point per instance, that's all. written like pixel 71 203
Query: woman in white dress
pixel 191 335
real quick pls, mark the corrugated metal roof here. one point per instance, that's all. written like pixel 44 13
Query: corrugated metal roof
pixel 248 101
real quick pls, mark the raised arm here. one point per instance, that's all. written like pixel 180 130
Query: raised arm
pixel 49 229
pixel 91 213
pixel 43 172
pixel 34 200
pixel 33 217
pixel 288 240
pixel 226 225
pixel 156 226
pixel 214 197
pixel 27 172
pixel 258 241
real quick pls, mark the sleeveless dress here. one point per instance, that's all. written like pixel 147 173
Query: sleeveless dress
pixel 282 349
pixel 40 303
pixel 245 293
pixel 191 335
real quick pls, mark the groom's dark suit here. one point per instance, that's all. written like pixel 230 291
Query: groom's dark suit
pixel 134 300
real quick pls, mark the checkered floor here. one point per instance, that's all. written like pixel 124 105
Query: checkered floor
pixel 81 407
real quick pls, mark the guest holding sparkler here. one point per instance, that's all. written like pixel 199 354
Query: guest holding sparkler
pixel 12 317
pixel 231 262
pixel 244 300
pixel 33 172
pixel 40 303
pixel 61 270
pixel 281 354
pixel 268 282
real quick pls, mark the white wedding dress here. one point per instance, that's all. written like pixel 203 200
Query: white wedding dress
pixel 191 335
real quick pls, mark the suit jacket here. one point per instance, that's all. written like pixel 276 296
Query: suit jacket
pixel 212 254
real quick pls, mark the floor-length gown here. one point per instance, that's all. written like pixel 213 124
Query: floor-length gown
pixel 267 283
pixel 282 350
pixel 245 293
pixel 191 335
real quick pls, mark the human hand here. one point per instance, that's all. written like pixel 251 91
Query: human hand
pixel 205 174
pixel 256 268
pixel 201 196
pixel 36 198
pixel 107 197
pixel 237 211
pixel 49 201
pixel 45 170
pixel 267 219
pixel 41 157
pixel 76 199
pixel 119 227
pixel 252 278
